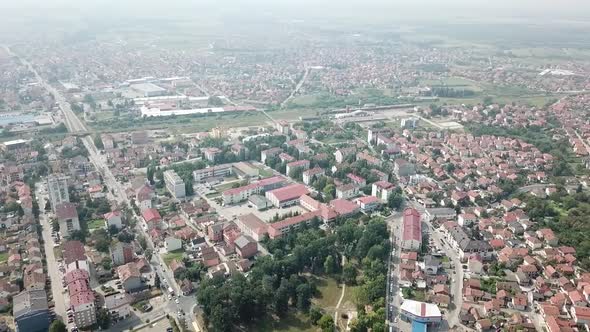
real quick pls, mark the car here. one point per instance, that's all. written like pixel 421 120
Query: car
pixel 169 329
pixel 396 319
pixel 176 300
pixel 169 297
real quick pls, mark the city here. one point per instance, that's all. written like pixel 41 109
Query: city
pixel 205 176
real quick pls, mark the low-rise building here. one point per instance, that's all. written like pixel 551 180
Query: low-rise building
pixel 130 277
pixel 382 190
pixel 219 171
pixel 118 306
pixel 286 196
pixel 113 219
pixel 412 230
pixel 172 244
pixel 245 246
pixel 67 217
pixel 31 311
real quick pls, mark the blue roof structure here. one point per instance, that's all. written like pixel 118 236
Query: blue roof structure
pixel 419 327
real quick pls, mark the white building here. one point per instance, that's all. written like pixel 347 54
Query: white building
pixel 113 219
pixel 174 184
pixel 57 187
pixel 172 244
pixel 201 175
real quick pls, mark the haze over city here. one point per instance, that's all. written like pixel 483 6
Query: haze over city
pixel 294 165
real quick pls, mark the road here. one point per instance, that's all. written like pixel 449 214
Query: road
pixel 52 267
pixel 297 87
pixel 74 125
pixel 393 297
pixel 456 278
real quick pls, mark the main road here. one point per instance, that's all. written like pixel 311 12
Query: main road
pixel 74 125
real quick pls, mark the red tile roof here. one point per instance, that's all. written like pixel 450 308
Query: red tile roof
pixel 412 225
pixel 151 215
pixel 290 192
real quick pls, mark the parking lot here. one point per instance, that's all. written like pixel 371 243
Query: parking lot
pixel 266 215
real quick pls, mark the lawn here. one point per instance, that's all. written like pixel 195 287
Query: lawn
pixel 223 187
pixel 294 322
pixel 329 293
pixel 181 124
pixel 173 255
pixel 265 173
pixel 3 257
pixel 96 224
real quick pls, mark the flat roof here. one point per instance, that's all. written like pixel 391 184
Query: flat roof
pixel 421 309
pixel 148 87
pixel 419 327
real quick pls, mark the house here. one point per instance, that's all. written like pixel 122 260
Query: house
pixel 31 311
pixel 431 265
pixel 177 267
pixel 269 153
pixel 215 232
pixel 347 191
pixel 382 190
pixel 121 253
pixel 341 154
pixel 475 264
pixel 368 203
pixel 412 230
pixel 403 168
pixel 151 218
pixel 172 244
pixel 466 219
pixel 357 180
pixel 311 174
pixel 581 315
pixel 519 302
pixel 118 305
pixel 483 324
pixel 143 197
pixel 246 247
pixel 113 219
pixel 299 164
pixel 130 277
pixel 186 286
pixel 67 216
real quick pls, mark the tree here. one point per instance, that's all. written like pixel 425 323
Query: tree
pixel 57 326
pixel 304 294
pixel 78 235
pixel 349 274
pixel 150 174
pixel 98 141
pixel 157 282
pixel 315 314
pixel 329 265
pixel 326 323
pixel 188 187
pixel 281 301
pixel 103 319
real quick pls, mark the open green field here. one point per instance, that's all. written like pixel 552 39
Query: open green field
pixel 181 124
pixel 3 257
pixel 96 224
pixel 329 293
pixel 453 82
pixel 169 257
pixel 225 186
pixel 293 322
pixel 294 114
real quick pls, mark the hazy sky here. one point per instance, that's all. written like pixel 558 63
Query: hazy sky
pixel 425 9
pixel 33 17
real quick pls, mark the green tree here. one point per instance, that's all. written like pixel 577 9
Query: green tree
pixel 57 326
pixel 315 314
pixel 103 318
pixel 326 323
pixel 349 274
pixel 329 265
pixel 98 141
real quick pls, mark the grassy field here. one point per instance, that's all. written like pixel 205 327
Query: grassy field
pixel 294 322
pixel 169 257
pixel 265 173
pixel 329 293
pixel 96 224
pixel 181 124
pixel 224 187
pixel 3 257
pixel 294 114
